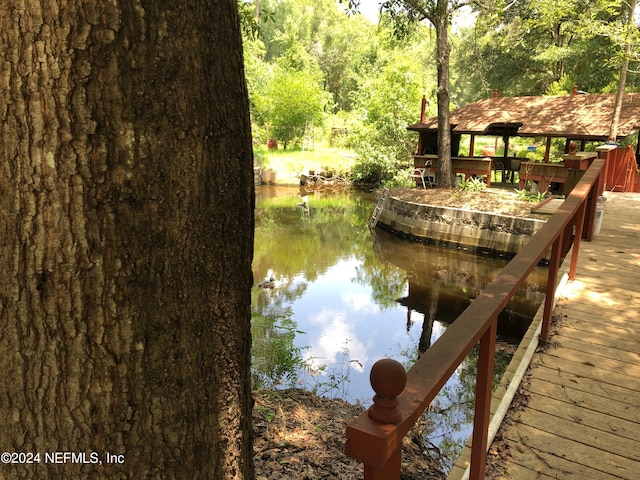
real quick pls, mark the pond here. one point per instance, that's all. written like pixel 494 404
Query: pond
pixel 344 297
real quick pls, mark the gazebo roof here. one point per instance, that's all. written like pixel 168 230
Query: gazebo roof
pixel 586 116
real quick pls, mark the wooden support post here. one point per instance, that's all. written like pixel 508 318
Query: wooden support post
pixel 592 203
pixel 552 280
pixel 547 150
pixel 580 217
pixel 383 454
pixel 391 470
pixel 484 388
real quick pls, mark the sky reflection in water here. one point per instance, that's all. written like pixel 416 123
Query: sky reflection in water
pixel 359 298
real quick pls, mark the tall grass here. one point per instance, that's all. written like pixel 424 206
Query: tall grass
pixel 292 162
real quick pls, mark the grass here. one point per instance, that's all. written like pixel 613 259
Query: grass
pixel 289 164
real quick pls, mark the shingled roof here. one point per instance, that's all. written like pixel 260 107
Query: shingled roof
pixel 586 116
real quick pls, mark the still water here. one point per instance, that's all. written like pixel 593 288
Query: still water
pixel 343 297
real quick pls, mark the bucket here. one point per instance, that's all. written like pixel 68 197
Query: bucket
pixel 597 220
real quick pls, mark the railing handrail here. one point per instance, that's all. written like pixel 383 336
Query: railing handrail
pixel 378 445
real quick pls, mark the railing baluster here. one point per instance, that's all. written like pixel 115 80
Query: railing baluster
pixel 581 215
pixel 552 280
pixel 484 384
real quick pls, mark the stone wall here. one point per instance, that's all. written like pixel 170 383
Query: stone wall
pixel 475 231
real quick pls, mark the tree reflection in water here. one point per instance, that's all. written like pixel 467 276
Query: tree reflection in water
pixel 360 296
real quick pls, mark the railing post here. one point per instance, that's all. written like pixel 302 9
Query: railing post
pixel 391 470
pixel 388 379
pixel 552 280
pixel 484 389
pixel 580 224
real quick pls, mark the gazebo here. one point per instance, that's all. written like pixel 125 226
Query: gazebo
pixel 577 118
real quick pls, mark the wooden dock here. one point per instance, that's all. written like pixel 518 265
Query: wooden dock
pixel 577 413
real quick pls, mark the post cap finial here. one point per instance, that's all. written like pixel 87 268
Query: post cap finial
pixel 388 379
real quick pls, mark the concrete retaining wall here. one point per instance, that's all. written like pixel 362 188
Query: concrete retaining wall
pixel 475 231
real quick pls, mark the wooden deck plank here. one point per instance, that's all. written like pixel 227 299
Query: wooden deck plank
pixel 576 389
pixel 608 357
pixel 617 318
pixel 603 295
pixel 608 336
pixel 531 463
pixel 541 465
pixel 604 414
pixel 582 437
pixel 602 333
pixel 600 369
pixel 612 269
pixel 621 277
pixel 582 369
pixel 540 451
pixel 615 315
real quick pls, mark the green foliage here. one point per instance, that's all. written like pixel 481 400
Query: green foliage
pixel 387 103
pixel 342 47
pixel 248 22
pixel 539 46
pixel 562 86
pixel 375 166
pixel 276 361
pixel 529 196
pixel 472 184
pixel 289 101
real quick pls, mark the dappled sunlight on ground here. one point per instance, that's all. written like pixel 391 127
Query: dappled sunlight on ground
pixel 578 289
pixel 300 436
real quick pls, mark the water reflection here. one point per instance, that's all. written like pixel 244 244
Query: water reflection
pixel 442 283
pixel 360 297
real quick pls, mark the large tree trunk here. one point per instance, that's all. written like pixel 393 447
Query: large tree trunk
pixel 441 23
pixel 622 80
pixel 127 237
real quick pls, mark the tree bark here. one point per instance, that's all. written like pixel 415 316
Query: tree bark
pixel 127 223
pixel 622 81
pixel 441 24
pixel 439 15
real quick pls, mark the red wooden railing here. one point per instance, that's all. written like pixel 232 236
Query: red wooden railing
pixel 375 438
pixel 621 169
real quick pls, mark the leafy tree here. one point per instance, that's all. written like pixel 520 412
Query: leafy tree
pixel 630 37
pixel 540 46
pixel 404 14
pixel 386 103
pixel 291 100
pixel 248 20
pixel 340 46
pixel 347 57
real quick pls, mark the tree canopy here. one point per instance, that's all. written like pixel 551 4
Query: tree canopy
pixel 533 47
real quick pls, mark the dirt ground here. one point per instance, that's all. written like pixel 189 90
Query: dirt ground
pixel 494 200
pixel 300 436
